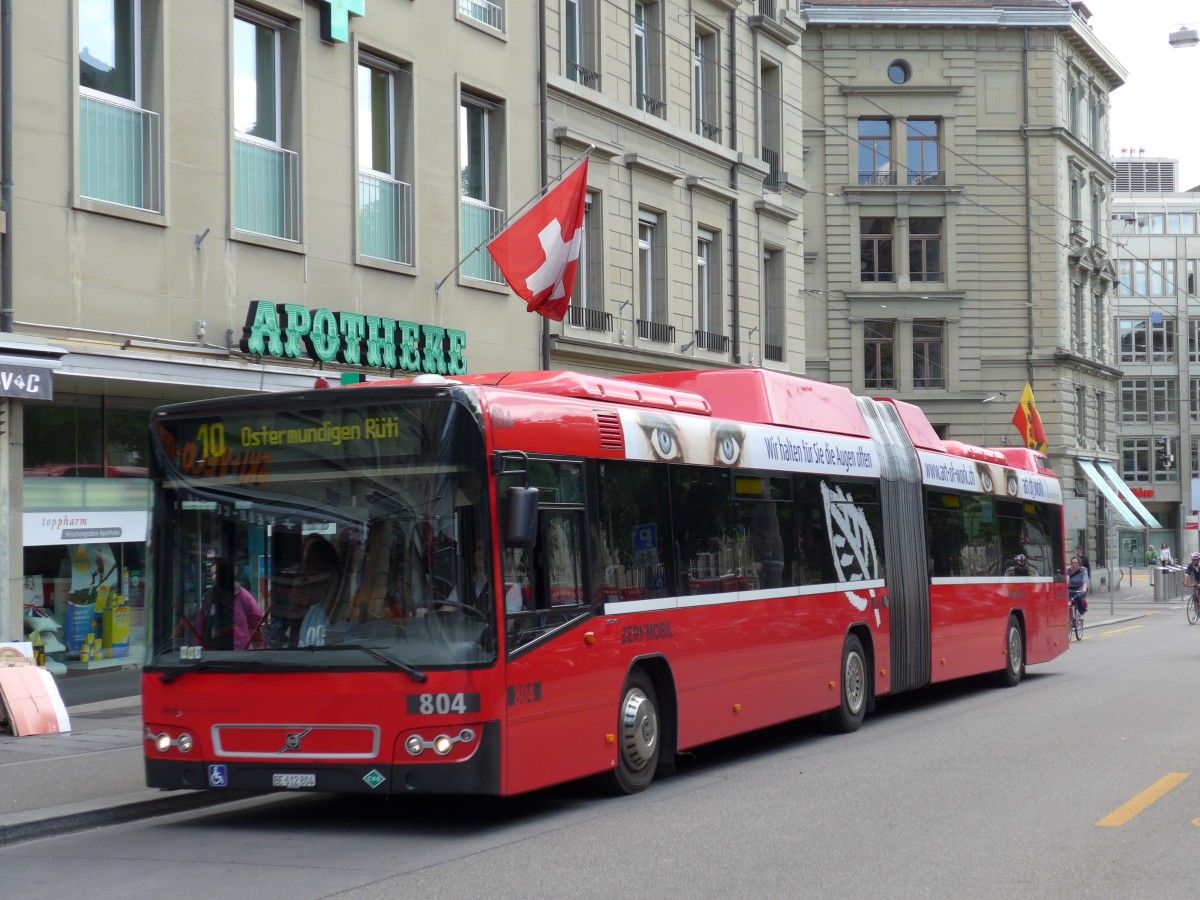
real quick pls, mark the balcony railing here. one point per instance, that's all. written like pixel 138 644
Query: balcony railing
pixel 490 14
pixel 773 352
pixel 874 177
pixel 583 75
pixel 385 218
pixel 591 319
pixel 926 177
pixel 479 223
pixel 708 129
pixel 656 331
pixel 120 154
pixel 266 190
pixel 712 341
pixel 653 105
pixel 774 179
pixel 767 8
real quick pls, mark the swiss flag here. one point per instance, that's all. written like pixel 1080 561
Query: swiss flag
pixel 539 252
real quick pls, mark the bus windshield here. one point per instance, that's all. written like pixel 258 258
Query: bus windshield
pixel 343 529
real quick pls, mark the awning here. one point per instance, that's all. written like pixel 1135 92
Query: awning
pixel 1126 494
pixel 1124 516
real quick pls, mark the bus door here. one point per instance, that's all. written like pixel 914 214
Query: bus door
pixel 557 700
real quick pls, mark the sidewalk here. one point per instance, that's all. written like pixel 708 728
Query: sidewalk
pixel 53 784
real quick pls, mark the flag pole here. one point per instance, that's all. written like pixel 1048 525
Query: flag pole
pixel 437 288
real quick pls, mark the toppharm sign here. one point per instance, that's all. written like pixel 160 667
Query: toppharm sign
pixel 26 382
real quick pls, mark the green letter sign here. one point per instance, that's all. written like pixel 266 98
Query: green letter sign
pixel 290 331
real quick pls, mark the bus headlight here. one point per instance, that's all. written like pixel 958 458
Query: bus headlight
pixel 163 742
pixel 184 743
pixel 441 745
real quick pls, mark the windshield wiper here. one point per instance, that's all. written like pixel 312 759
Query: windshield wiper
pixel 168 677
pixel 414 673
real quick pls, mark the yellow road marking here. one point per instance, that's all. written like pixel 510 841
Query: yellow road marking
pixel 1119 630
pixel 1140 803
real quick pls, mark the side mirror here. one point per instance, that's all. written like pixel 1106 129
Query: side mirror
pixel 520 526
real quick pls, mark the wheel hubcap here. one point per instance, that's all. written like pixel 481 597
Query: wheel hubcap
pixel 639 729
pixel 1014 649
pixel 855 682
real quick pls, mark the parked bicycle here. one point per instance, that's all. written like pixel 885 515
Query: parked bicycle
pixel 1075 619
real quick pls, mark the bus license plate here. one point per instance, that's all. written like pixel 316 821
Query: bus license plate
pixel 294 780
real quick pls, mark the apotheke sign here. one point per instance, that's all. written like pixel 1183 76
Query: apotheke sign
pixel 289 331
pixel 26 382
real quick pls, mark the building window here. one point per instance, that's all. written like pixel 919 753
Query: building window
pixel 1135 459
pixel 648 56
pixel 385 196
pixel 1073 107
pixel 879 344
pixel 925 249
pixel 489 12
pixel 589 281
pixel 1080 415
pixel 1077 198
pixel 1194 400
pixel 1162 277
pixel 1193 340
pixel 120 141
pixel 771 113
pixel 1152 223
pixel 1181 223
pixel 708 294
pixel 1132 340
pixel 1162 339
pixel 875 152
pixel 1135 400
pixel 1195 458
pixel 1078 344
pixel 1165 400
pixel 1099 337
pixel 266 171
pixel 652 303
pixel 928 354
pixel 1101 420
pixel 1125 277
pixel 775 327
pixel 582 50
pixel 481 141
pixel 1192 265
pixel 923 152
pixel 876 249
pixel 899 72
pixel 706 85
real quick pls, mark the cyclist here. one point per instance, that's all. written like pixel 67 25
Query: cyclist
pixel 1191 574
pixel 1077 585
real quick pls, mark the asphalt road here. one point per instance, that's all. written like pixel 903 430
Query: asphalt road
pixel 1082 782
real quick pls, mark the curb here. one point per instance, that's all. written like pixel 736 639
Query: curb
pixel 19 827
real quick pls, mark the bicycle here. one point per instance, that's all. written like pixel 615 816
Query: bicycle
pixel 1075 618
pixel 1193 605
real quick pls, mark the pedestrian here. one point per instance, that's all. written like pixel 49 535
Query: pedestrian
pixel 1083 560
pixel 1164 555
pixel 1151 557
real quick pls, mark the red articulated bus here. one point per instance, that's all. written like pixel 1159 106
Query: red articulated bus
pixel 503 582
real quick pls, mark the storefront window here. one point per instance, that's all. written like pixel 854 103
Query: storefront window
pixel 85 504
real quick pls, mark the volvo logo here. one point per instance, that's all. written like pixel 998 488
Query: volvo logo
pixel 292 741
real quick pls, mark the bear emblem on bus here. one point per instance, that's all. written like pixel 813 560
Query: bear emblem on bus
pixel 855 556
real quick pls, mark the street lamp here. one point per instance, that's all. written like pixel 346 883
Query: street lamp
pixel 1184 37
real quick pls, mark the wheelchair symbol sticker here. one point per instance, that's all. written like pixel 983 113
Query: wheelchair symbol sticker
pixel 218 777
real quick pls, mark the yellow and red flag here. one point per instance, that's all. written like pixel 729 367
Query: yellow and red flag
pixel 1028 422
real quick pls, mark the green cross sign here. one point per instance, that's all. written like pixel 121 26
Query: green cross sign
pixel 335 18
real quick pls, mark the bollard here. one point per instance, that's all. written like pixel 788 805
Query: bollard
pixel 1159 578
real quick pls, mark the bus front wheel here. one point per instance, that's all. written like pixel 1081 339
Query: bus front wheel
pixel 638 737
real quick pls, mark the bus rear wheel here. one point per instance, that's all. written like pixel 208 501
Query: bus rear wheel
pixel 855 687
pixel 1014 654
pixel 638 737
